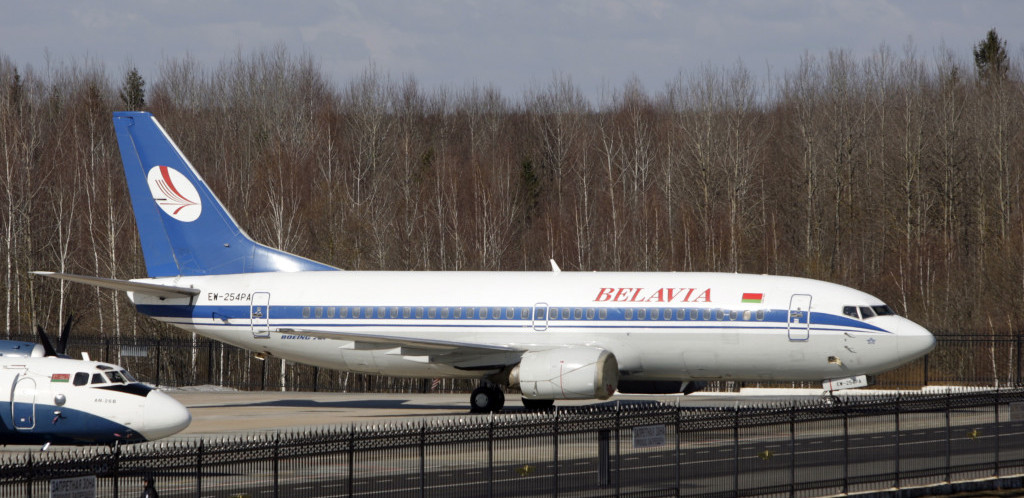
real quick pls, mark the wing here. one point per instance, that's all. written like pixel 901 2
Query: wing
pixel 462 355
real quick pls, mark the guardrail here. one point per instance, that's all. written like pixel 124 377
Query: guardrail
pixel 641 449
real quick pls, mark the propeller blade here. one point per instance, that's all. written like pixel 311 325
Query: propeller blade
pixel 45 341
pixel 62 341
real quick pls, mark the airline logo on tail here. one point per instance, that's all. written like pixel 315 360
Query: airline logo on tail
pixel 174 194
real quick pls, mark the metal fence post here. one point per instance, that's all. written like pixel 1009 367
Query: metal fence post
pixel 846 449
pixel 949 437
pixel 29 476
pixel 554 491
pixel 679 476
pixel 117 467
pixel 277 461
pixel 897 415
pixel 423 458
pixel 792 448
pixel 351 460
pixel 490 455
pixel 199 470
pixel 736 450
pixel 618 449
pixel 998 431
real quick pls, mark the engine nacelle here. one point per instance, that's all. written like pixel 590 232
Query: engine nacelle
pixel 19 348
pixel 567 373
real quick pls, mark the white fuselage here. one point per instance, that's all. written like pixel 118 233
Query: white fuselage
pixel 659 326
pixel 67 401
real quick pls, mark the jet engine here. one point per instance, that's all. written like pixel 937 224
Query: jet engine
pixel 566 373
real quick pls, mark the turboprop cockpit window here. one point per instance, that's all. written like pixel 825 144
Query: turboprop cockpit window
pixel 81 379
pixel 117 377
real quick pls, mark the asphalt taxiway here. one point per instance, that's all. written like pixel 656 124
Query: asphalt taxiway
pixel 226 411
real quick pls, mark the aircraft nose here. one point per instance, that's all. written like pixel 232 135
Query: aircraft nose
pixel 914 341
pixel 164 416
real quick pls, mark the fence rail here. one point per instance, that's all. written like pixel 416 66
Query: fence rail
pixel 646 449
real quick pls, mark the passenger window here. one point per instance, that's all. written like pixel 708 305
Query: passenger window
pixel 495 313
pixel 577 314
pixel 81 379
pixel 655 314
pixel 760 315
pixel 381 312
pixel 565 313
pixel 419 312
pixel 746 315
pixel 319 312
pixel 590 313
pixel 431 312
pixel 629 313
pixel 693 314
pixel 719 314
pixel 330 312
pixel 602 313
pixel 524 313
pixel 394 312
pixel 733 315
pixel 305 312
pixel 707 314
pixel 554 313
pixel 355 312
pixel 470 313
pixel 444 313
pixel 641 314
pixel 540 314
pixel 343 312
pixel 483 313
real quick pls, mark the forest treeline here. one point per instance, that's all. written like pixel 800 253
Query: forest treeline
pixel 898 174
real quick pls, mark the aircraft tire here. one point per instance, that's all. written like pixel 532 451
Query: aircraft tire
pixel 486 399
pixel 536 405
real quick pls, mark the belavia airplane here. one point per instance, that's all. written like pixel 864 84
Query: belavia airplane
pixel 46 397
pixel 554 335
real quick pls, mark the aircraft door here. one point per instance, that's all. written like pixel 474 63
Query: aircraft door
pixel 259 315
pixel 540 317
pixel 23 406
pixel 799 322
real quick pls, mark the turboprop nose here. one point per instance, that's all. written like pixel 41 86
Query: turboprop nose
pixel 163 416
pixel 913 341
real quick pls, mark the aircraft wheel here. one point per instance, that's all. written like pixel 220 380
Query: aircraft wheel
pixel 536 405
pixel 486 399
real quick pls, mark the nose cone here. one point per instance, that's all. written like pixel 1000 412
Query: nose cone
pixel 914 341
pixel 163 416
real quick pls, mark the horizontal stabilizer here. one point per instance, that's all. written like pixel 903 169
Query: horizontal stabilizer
pixel 158 290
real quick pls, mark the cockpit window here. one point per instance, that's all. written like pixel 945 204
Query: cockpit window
pixel 116 376
pixel 850 311
pixel 865 312
pixel 98 378
pixel 883 310
pixel 128 376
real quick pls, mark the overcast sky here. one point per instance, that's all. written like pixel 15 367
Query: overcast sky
pixel 514 45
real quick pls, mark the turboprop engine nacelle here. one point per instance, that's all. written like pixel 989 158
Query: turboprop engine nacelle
pixel 566 373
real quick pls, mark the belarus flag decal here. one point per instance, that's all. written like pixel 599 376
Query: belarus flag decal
pixel 753 297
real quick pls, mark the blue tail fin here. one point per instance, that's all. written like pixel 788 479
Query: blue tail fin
pixel 184 229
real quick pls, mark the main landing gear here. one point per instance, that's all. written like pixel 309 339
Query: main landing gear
pixel 486 398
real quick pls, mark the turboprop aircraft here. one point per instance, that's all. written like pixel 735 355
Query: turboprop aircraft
pixel 46 397
pixel 554 335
